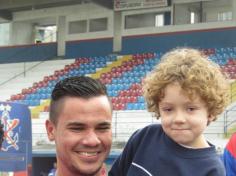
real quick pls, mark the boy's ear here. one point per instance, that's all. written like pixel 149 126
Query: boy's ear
pixel 210 119
pixel 50 127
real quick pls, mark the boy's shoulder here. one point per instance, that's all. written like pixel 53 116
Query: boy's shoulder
pixel 147 133
pixel 152 128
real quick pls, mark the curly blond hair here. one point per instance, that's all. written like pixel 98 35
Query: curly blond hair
pixel 195 73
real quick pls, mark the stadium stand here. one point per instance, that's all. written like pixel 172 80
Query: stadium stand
pixel 122 77
pixel 116 44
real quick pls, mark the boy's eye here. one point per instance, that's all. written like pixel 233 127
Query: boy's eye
pixel 167 109
pixel 191 109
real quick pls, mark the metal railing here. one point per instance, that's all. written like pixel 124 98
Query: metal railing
pixel 124 124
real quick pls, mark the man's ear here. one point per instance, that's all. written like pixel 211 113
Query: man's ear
pixel 50 127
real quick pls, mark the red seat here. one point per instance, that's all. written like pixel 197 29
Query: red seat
pixel 134 93
pixel 13 97
pixel 134 56
pixel 113 75
pixel 115 106
pixel 145 55
pixel 113 69
pixel 121 106
pixel 150 55
pixel 124 63
pixel 133 99
pixel 140 61
pixel 123 69
pixel 18 97
pixel 57 73
pixel 118 74
pixel 40 84
pixel 118 69
pixel 103 75
pixel 122 93
pixel 108 75
pixel 129 63
pixel 121 100
pixel 46 78
pixel 135 62
pixel 108 80
pixel 67 68
pixel 230 61
pixel 139 56
pixel 24 91
pixel 35 85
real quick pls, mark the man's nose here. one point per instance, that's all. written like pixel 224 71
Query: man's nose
pixel 91 139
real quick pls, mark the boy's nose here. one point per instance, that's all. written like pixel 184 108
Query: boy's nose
pixel 179 117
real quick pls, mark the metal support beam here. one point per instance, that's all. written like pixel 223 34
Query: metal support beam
pixel 105 3
pixel 6 15
pixel 27 4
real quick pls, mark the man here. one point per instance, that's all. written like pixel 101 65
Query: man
pixel 80 124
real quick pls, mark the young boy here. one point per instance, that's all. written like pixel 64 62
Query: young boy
pixel 187 92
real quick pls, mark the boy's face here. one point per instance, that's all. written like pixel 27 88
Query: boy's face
pixel 183 119
pixel 83 135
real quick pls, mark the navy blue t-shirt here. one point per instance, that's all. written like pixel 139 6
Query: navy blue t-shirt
pixel 150 152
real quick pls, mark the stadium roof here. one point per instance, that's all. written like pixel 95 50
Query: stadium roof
pixel 8 7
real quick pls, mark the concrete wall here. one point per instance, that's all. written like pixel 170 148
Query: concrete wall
pixel 21 33
pixel 25 20
pixel 182 14
pixel 26 53
pixel 4 34
pixel 118 39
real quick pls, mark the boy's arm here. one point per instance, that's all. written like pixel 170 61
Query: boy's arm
pixel 121 165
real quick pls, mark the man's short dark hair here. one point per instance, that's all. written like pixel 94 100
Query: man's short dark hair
pixel 79 86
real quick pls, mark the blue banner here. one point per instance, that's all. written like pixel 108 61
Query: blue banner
pixel 16 151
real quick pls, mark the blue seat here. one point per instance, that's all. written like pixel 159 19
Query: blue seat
pixel 81 72
pixel 136 106
pixel 141 99
pixel 27 96
pixel 114 80
pixel 109 93
pixel 43 96
pixel 129 106
pixel 142 106
pixel 121 80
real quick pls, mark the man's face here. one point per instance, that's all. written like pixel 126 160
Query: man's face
pixel 83 135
